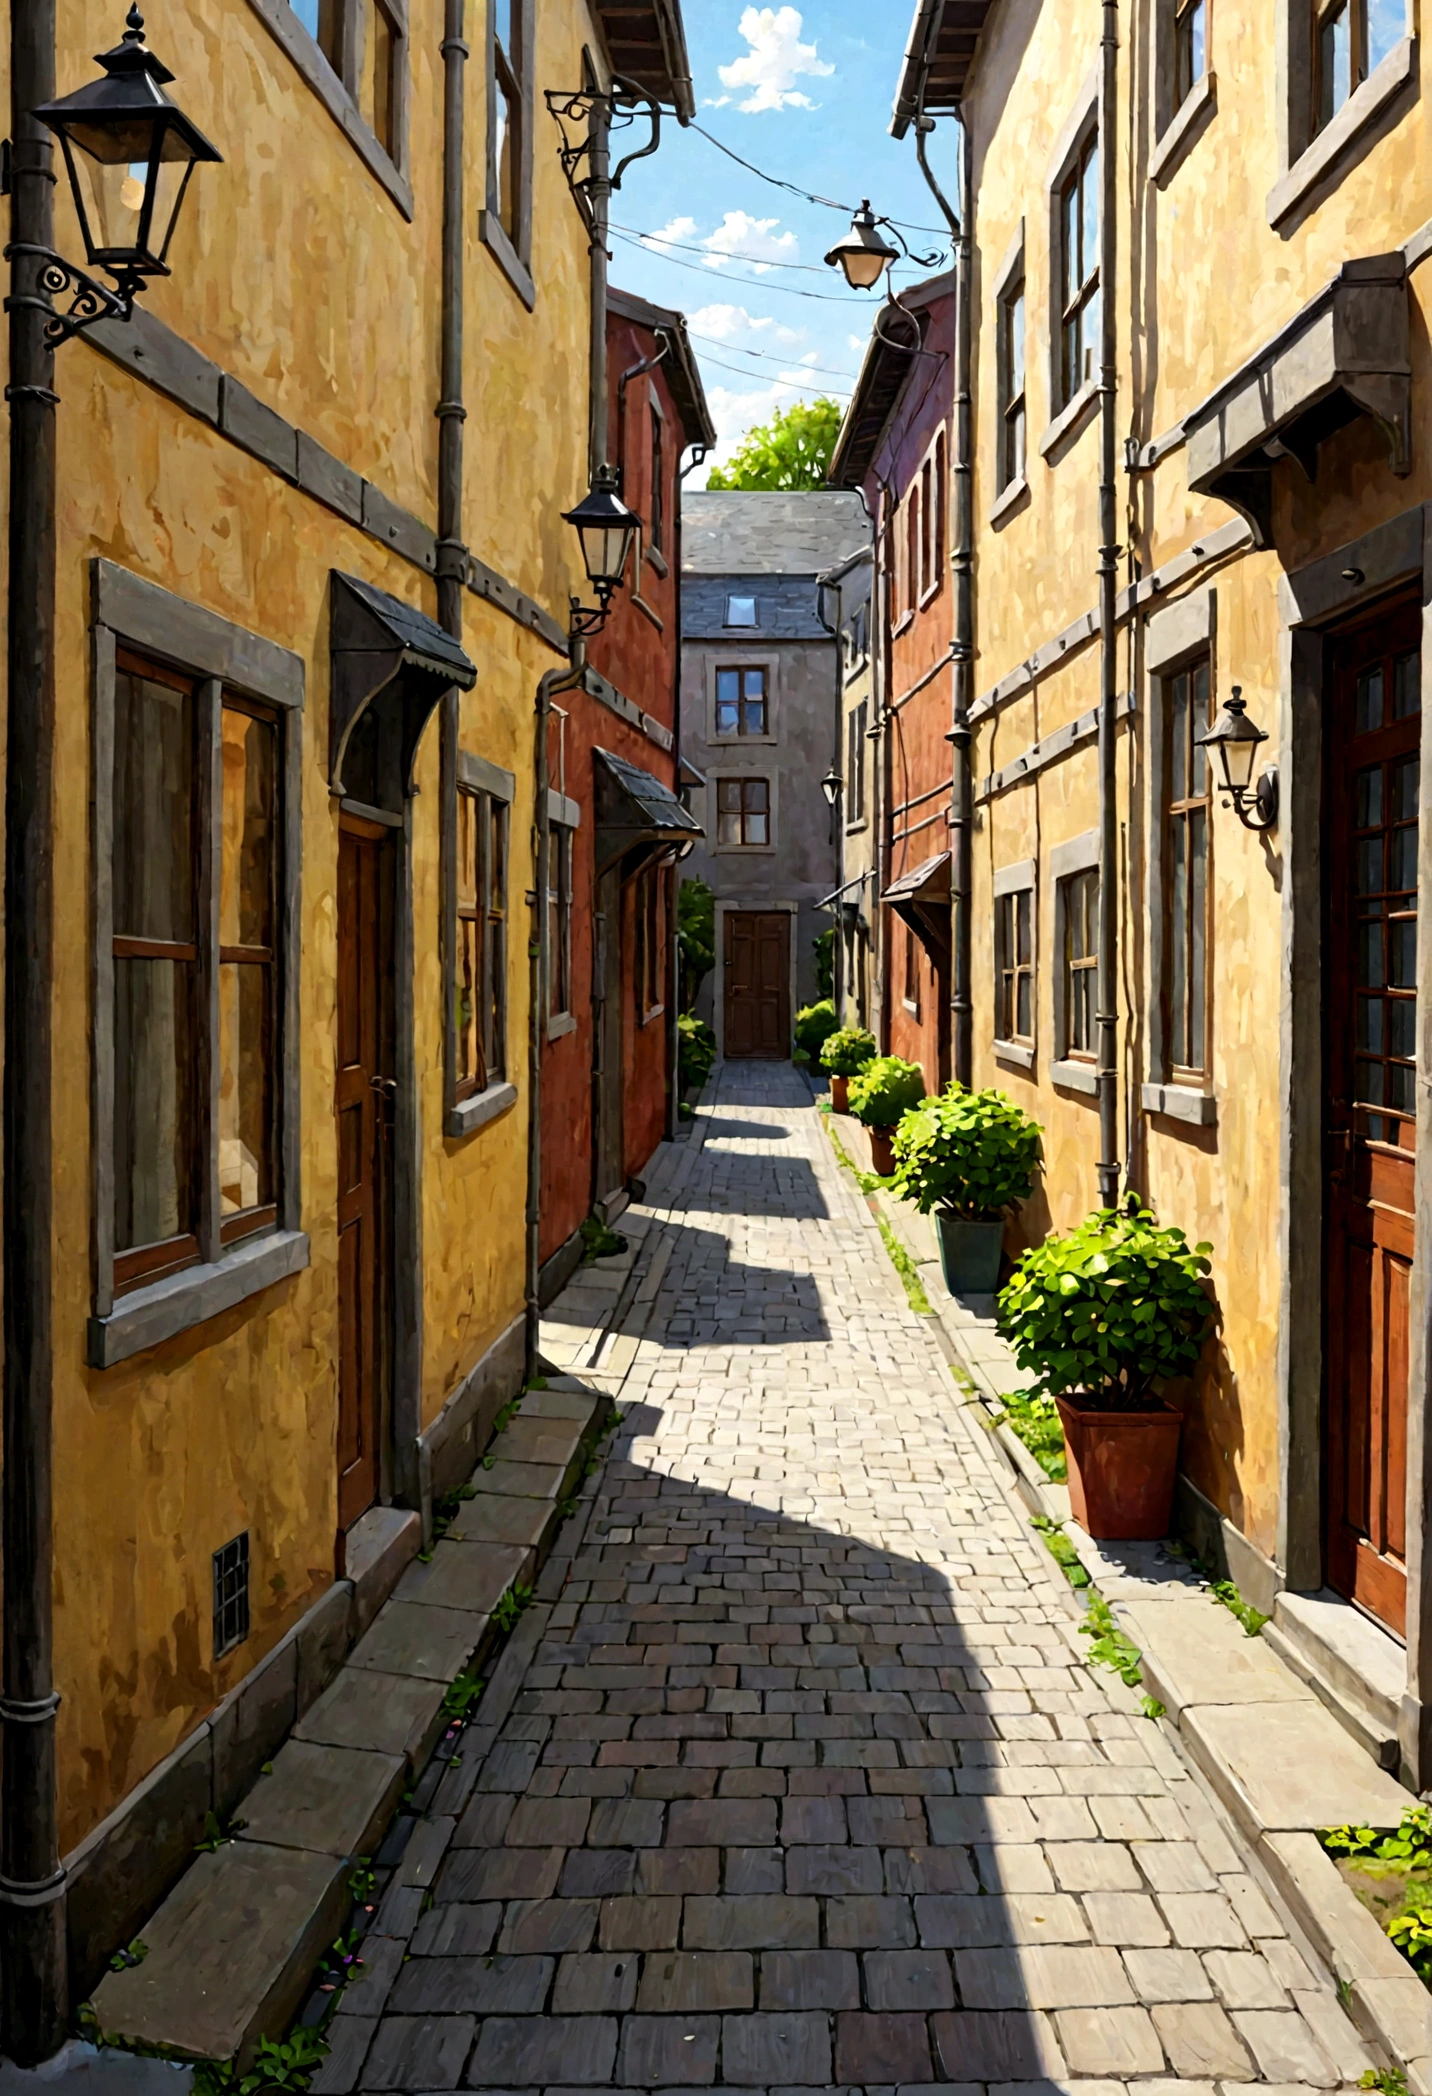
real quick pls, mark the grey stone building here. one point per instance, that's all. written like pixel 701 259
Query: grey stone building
pixel 761 721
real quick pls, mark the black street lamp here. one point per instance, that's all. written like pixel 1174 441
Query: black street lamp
pixel 605 528
pixel 863 255
pixel 1236 739
pixel 831 784
pixel 129 153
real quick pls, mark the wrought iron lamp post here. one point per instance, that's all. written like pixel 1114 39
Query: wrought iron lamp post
pixel 1236 739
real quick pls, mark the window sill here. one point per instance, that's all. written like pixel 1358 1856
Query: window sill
pixel 560 1025
pixel 1326 154
pixel 1074 1077
pixel 468 1115
pixel 1070 420
pixel 737 742
pixel 1018 1053
pixel 284 26
pixel 1008 501
pixel 855 829
pixel 495 238
pixel 930 595
pixel 656 1012
pixel 658 560
pixel 911 1007
pixel 905 620
pixel 743 851
pixel 1180 1102
pixel 1184 129
pixel 145 1316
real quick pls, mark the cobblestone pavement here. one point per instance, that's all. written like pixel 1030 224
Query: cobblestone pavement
pixel 807 1784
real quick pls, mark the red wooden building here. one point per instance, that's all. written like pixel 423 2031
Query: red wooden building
pixel 895 445
pixel 618 825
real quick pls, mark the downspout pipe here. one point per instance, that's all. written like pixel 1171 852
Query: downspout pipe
pixel 962 567
pixel 1107 1017
pixel 598 189
pixel 34 1987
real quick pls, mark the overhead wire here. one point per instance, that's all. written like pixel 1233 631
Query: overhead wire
pixel 779 182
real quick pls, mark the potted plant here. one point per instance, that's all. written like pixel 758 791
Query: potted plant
pixel 969 1156
pixel 884 1091
pixel 814 1023
pixel 845 1055
pixel 1103 1316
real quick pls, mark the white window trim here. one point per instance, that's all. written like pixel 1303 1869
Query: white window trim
pixel 1019 879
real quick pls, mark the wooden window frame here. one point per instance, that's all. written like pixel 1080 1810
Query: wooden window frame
pixel 562 845
pixel 332 65
pixel 139 1300
pixel 1183 812
pixel 1084 883
pixel 656 477
pixel 910 975
pixel 510 77
pixel 1012 410
pixel 857 722
pixel 648 972
pixel 743 780
pixel 741 733
pixel 1075 295
pixel 1013 885
pixel 1187 13
pixel 489 911
pixel 470 1106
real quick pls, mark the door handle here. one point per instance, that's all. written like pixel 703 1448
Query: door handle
pixel 387 1085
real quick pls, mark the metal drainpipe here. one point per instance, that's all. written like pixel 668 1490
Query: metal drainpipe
pixel 1108 1018
pixel 599 196
pixel 34 2004
pixel 962 566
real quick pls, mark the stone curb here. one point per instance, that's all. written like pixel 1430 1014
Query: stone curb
pixel 1384 1996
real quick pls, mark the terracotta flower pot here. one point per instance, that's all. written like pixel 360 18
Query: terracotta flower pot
pixel 839 1094
pixel 1122 1467
pixel 882 1157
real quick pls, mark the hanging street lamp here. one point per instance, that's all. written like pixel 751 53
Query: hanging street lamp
pixel 605 528
pixel 831 784
pixel 863 255
pixel 1236 739
pixel 129 153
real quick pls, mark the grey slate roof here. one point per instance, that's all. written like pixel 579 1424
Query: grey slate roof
pixel 785 608
pixel 799 533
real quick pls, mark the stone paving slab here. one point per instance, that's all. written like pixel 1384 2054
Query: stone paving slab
pixel 806 1783
pixel 400 1715
pixel 466 1575
pixel 335 1800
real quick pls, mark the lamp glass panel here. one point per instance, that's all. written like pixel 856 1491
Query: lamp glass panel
pixel 863 267
pixel 1238 759
pixel 604 549
pixel 128 206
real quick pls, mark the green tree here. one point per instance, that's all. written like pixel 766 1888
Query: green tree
pixel 695 937
pixel 792 450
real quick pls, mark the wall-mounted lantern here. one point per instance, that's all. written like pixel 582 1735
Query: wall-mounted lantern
pixel 129 153
pixel 863 255
pixel 1236 739
pixel 605 527
pixel 831 784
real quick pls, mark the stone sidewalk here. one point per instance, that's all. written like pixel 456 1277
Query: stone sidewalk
pixel 806 1784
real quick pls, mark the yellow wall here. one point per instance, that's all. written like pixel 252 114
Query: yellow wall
pixel 1202 281
pixel 295 271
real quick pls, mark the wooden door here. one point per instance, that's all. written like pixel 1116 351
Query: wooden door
pixel 363 1106
pixel 758 973
pixel 1372 732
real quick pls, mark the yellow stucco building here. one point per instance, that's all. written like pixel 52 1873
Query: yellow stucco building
pixel 310 566
pixel 1244 190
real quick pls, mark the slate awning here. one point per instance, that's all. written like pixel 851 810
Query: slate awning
pixel 922 898
pixel 1345 354
pixel 636 814
pixel 385 650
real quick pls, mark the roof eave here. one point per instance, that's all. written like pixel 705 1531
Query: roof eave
pixel 657 63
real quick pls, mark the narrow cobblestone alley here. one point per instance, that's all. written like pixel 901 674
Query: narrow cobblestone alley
pixel 807 1783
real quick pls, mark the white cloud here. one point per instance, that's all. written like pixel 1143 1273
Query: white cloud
pixel 776 59
pixel 727 323
pixel 676 229
pixel 739 237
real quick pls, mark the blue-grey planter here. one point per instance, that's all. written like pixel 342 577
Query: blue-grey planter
pixel 969 1253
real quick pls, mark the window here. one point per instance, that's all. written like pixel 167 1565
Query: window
pixel 648 972
pixel 740 611
pixel 912 548
pixel 560 841
pixel 364 43
pixel 1189 57
pixel 911 991
pixel 506 225
pixel 1187 813
pixel 1010 359
pixel 743 811
pixel 1350 39
pixel 857 638
pixel 1014 966
pixel 231 1595
pixel 480 989
pixel 741 702
pixel 855 726
pixel 194 979
pixel 1079 895
pixel 1079 271
pixel 658 478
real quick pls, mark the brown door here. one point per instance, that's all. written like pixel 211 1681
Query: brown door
pixel 1371 736
pixel 758 974
pixel 363 1106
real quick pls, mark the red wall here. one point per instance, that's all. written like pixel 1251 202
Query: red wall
pixel 637 651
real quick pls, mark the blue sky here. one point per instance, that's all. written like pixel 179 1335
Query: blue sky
pixel 805 94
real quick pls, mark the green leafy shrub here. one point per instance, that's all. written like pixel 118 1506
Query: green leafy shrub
pixel 847 1051
pixel 1411 1931
pixel 696 1050
pixel 1111 1308
pixel 1034 1419
pixel 695 937
pixel 815 1023
pixel 973 1153
pixel 885 1091
pixel 824 950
